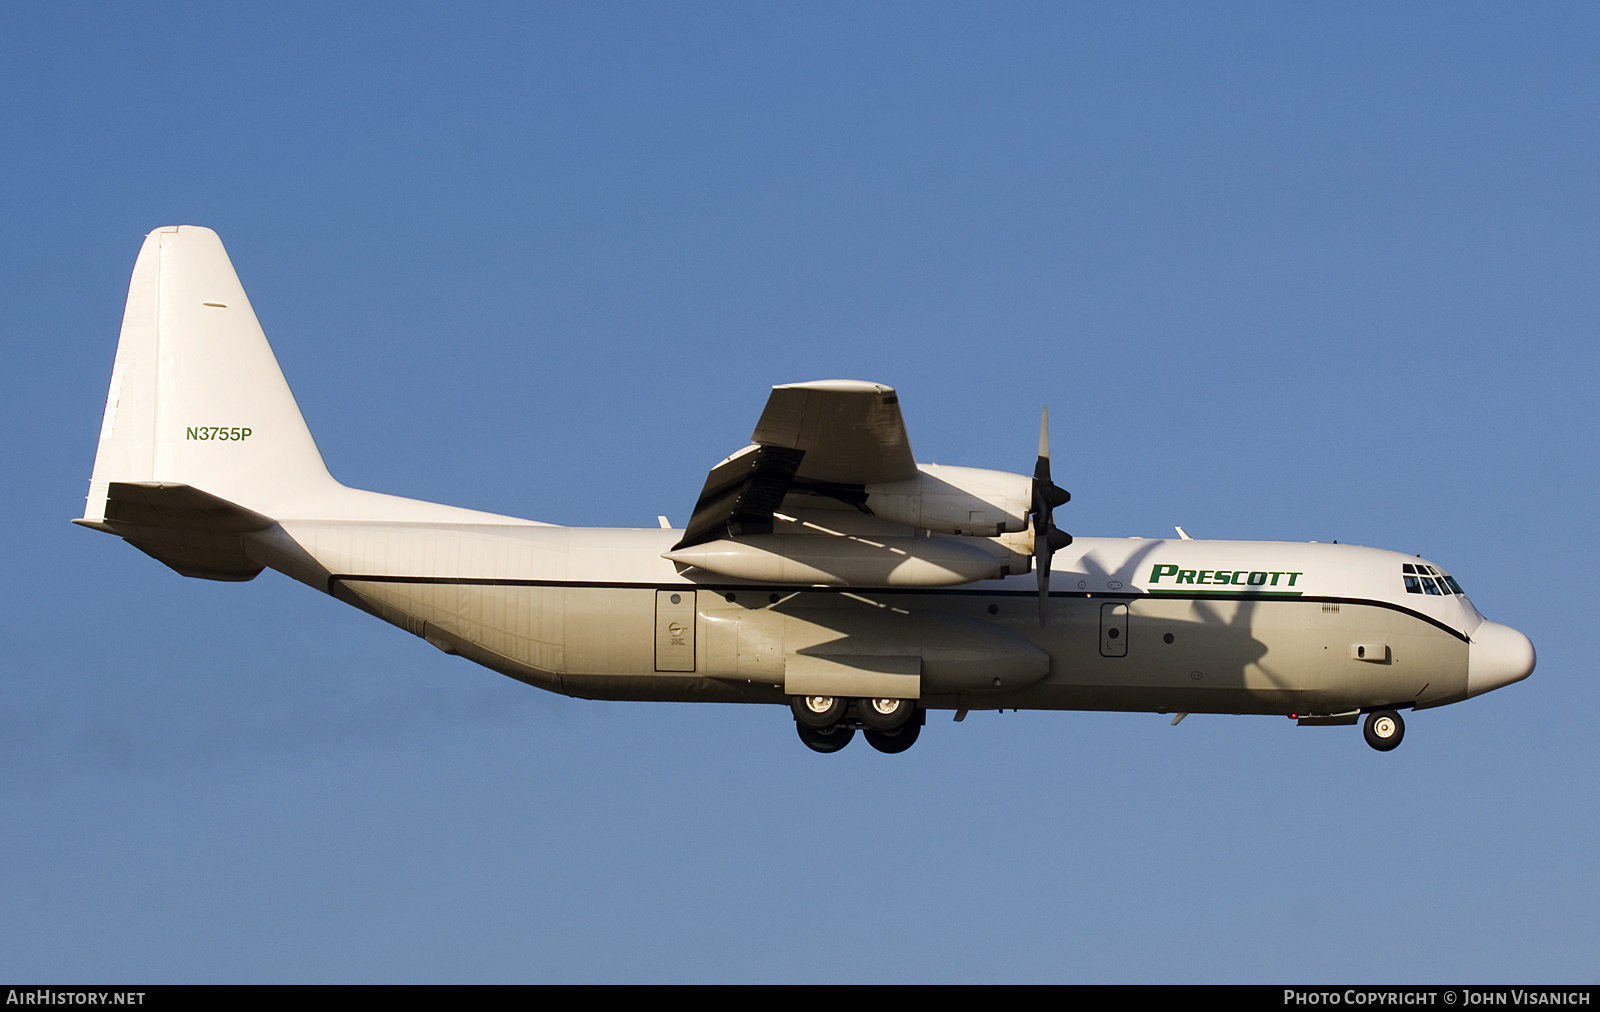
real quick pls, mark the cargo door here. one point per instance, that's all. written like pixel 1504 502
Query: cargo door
pixel 675 613
pixel 1114 630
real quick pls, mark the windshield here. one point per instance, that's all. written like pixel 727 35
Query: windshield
pixel 1421 578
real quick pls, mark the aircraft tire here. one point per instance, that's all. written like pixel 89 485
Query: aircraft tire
pixel 897 740
pixel 825 739
pixel 818 711
pixel 1384 730
pixel 877 718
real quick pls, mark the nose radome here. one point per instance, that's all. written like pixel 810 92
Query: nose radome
pixel 1499 655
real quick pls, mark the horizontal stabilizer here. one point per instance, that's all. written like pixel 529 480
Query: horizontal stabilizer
pixel 159 504
pixel 195 533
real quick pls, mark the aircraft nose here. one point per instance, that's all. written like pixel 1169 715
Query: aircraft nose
pixel 1499 655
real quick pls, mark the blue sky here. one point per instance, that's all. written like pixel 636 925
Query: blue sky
pixel 1282 271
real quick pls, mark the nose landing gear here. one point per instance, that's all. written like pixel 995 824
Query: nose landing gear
pixel 1384 730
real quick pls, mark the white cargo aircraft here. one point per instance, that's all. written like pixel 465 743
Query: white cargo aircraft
pixel 822 567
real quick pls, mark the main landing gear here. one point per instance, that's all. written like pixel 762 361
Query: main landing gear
pixel 825 739
pixel 827 723
pixel 1384 730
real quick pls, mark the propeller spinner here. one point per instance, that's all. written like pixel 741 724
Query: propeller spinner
pixel 1047 495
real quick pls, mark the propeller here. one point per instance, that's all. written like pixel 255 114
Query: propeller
pixel 1047 495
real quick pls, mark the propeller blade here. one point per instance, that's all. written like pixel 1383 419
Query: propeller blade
pixel 1047 495
pixel 1041 567
pixel 1044 445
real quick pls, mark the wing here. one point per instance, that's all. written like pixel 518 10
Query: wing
pixel 850 432
pixel 832 437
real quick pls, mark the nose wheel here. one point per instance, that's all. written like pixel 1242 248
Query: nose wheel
pixel 1384 730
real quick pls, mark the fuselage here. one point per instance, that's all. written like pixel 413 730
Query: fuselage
pixel 1132 624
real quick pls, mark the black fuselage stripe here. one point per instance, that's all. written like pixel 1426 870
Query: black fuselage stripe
pixel 725 588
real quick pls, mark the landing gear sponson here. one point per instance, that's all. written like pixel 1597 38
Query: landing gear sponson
pixel 827 723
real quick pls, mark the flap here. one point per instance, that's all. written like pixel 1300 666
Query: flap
pixel 740 495
pixel 831 437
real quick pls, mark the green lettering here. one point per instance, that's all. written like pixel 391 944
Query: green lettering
pixel 1254 581
pixel 1275 578
pixel 1205 576
pixel 222 433
pixel 1293 577
pixel 1236 581
pixel 1186 576
pixel 1162 570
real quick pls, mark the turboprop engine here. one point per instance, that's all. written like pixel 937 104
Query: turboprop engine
pixel 780 510
pixel 969 501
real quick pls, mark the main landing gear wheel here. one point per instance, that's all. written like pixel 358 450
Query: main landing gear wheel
pixel 826 739
pixel 897 740
pixel 818 712
pixel 1384 729
pixel 885 714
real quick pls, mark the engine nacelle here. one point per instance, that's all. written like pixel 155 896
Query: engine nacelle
pixel 956 500
pixel 843 561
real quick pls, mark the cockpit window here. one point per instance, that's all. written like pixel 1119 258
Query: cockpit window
pixel 1424 579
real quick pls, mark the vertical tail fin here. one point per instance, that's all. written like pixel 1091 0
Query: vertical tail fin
pixel 197 397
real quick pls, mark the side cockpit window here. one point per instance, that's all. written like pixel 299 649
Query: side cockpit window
pixel 1424 579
